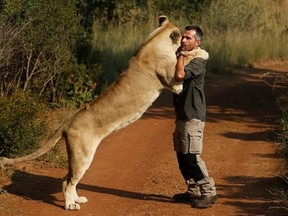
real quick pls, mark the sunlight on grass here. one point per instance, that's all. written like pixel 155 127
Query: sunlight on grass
pixel 236 32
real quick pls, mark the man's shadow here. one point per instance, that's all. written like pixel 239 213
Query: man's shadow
pixel 42 188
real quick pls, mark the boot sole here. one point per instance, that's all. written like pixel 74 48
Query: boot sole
pixel 213 201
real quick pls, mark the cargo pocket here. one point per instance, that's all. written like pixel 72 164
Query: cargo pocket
pixel 195 142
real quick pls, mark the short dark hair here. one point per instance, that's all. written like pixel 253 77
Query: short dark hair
pixel 199 33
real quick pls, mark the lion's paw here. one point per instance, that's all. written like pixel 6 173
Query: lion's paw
pixel 176 87
pixel 72 206
pixel 81 200
pixel 200 53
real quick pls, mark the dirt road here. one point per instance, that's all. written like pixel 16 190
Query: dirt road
pixel 135 173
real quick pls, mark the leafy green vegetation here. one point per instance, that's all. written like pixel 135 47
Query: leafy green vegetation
pixel 283 104
pixel 41 48
pixel 21 128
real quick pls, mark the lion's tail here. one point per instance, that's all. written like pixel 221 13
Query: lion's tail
pixel 51 142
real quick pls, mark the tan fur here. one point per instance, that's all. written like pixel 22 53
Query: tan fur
pixel 150 70
pixel 197 53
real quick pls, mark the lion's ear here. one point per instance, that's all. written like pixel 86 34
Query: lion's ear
pixel 163 20
pixel 175 36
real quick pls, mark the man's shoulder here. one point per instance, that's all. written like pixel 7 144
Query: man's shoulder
pixel 197 63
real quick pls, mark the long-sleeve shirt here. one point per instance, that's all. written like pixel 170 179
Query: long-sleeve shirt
pixel 190 103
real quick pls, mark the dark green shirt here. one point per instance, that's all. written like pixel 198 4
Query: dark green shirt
pixel 190 103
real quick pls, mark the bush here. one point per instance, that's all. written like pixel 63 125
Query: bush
pixel 21 129
pixel 283 136
pixel 219 56
pixel 79 87
pixel 42 44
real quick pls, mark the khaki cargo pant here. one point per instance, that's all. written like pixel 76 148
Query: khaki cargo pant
pixel 188 143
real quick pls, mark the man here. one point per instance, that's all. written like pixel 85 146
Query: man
pixel 190 108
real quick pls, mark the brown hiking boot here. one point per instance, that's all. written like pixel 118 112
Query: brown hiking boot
pixel 205 201
pixel 185 197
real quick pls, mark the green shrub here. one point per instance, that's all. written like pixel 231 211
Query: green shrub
pixel 219 56
pixel 283 136
pixel 21 129
pixel 79 87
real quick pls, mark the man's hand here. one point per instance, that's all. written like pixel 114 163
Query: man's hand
pixel 180 52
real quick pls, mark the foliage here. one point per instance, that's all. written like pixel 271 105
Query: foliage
pixel 219 57
pixel 41 41
pixel 41 47
pixel 240 16
pixel 189 10
pixel 280 194
pixel 118 12
pixel 21 129
pixel 283 105
pixel 246 28
pixel 79 88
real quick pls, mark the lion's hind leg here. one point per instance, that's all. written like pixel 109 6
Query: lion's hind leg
pixel 80 154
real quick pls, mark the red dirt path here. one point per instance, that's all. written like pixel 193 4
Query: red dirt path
pixel 135 173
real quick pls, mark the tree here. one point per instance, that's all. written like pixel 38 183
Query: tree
pixel 38 42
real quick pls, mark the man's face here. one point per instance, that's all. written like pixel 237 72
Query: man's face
pixel 188 41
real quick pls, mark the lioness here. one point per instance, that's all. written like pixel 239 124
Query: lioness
pixel 150 70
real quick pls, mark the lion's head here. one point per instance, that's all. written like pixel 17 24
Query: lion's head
pixel 158 51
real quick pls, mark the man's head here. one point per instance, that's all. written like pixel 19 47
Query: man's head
pixel 191 38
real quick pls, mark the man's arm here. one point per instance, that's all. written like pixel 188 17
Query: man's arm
pixel 179 70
